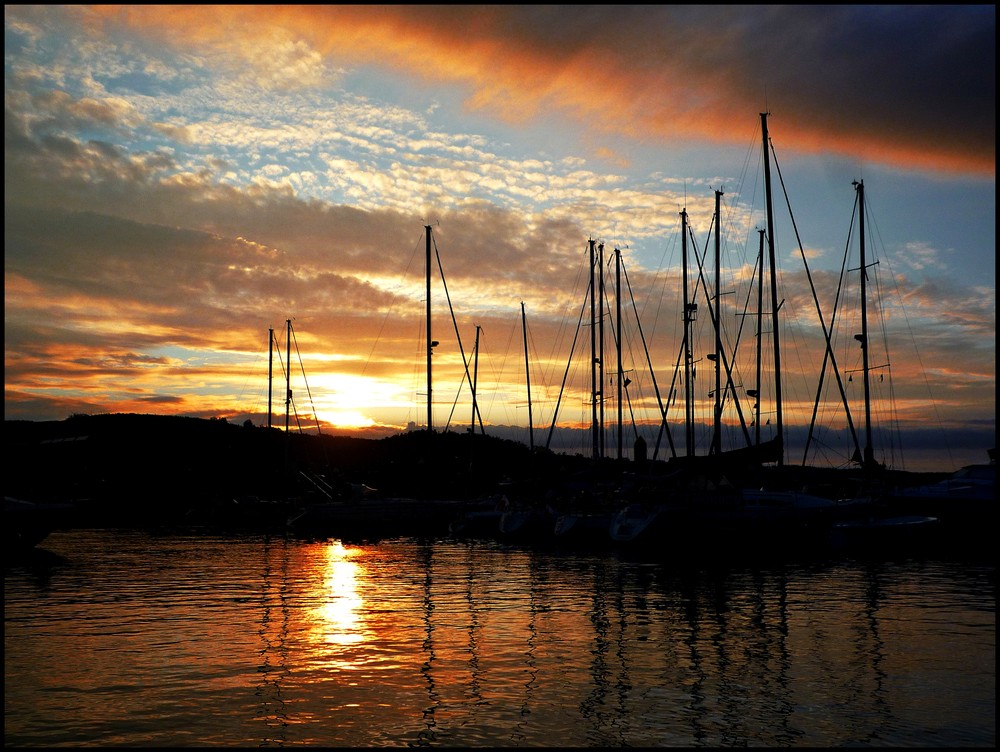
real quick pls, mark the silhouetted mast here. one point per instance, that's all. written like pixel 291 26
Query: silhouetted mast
pixel 717 427
pixel 270 371
pixel 618 338
pixel 774 294
pixel 288 370
pixel 690 311
pixel 527 378
pixel 760 334
pixel 600 340
pixel 475 382
pixel 869 458
pixel 430 342
pixel 593 351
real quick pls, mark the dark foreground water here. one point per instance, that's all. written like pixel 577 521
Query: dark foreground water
pixel 118 638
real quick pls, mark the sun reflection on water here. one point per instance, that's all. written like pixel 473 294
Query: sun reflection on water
pixel 341 607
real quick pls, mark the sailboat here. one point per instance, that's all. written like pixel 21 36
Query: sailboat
pixel 368 514
pixel 870 519
pixel 713 500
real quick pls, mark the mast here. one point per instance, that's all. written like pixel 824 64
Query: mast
pixel 690 310
pixel 288 370
pixel 869 457
pixel 475 382
pixel 760 315
pixel 527 378
pixel 600 340
pixel 717 428
pixel 270 371
pixel 430 342
pixel 593 352
pixel 774 294
pixel 618 339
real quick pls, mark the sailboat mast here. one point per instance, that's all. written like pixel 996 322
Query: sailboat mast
pixel 774 294
pixel 717 428
pixel 869 458
pixel 600 341
pixel 527 378
pixel 618 339
pixel 288 370
pixel 760 318
pixel 430 346
pixel 475 382
pixel 593 350
pixel 689 309
pixel 270 371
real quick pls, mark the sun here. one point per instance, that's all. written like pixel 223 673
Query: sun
pixel 346 419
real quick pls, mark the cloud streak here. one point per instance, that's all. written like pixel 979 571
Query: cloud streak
pixel 904 85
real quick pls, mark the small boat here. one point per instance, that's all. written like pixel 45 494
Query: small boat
pixel 883 533
pixel 27 523
pixel 970 483
pixel 480 519
pixel 964 503
pixel 376 519
pixel 632 522
pixel 526 522
pixel 588 527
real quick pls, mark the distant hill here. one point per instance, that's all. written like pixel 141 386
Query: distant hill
pixel 129 467
pixel 125 458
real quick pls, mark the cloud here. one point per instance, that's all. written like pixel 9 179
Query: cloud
pixel 652 72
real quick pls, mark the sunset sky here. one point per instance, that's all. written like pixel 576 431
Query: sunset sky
pixel 180 179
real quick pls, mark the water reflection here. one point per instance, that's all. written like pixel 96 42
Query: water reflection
pixel 266 642
pixel 274 651
pixel 426 736
pixel 341 607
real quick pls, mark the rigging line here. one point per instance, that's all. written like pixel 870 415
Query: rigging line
pixel 302 368
pixel 458 336
pixel 746 305
pixel 712 313
pixel 569 360
pixel 894 417
pixel 819 312
pixel 389 310
pixel 498 373
pixel 656 388
pixel 833 319
pixel 251 375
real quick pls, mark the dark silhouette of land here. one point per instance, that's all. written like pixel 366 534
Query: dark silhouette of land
pixel 128 469
pixel 136 467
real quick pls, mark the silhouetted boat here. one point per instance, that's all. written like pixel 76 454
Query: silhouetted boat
pixel 27 523
pixel 374 519
pixel 884 534
pixel 965 502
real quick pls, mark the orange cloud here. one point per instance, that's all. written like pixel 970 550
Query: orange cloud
pixel 650 73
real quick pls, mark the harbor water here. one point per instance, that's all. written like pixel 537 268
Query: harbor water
pixel 126 638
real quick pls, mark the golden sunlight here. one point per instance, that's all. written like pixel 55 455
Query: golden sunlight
pixel 341 609
pixel 342 400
